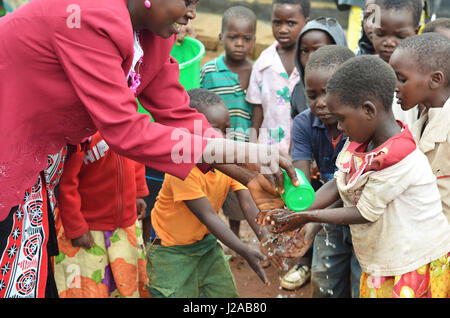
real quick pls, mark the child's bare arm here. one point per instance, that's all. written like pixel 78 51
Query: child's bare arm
pixel 349 215
pixel 250 210
pixel 205 212
pixel 257 119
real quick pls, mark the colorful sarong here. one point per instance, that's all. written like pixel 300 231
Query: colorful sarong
pixel 114 266
pixel 25 248
pixel 429 281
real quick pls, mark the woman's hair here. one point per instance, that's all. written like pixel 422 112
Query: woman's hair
pixel 361 78
pixel 430 51
pixel 437 24
pixel 240 12
pixel 304 4
pixel 201 99
pixel 328 57
pixel 414 6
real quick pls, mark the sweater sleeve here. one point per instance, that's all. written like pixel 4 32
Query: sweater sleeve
pixel 92 57
pixel 141 183
pixel 69 198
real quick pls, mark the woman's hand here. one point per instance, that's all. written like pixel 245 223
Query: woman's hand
pixel 255 158
pixel 265 196
pixel 85 241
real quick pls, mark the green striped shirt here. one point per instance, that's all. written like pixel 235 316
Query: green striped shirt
pixel 217 77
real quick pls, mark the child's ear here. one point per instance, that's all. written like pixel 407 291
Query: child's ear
pixel 437 79
pixel 369 109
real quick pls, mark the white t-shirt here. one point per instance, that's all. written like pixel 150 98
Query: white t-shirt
pixel 407 227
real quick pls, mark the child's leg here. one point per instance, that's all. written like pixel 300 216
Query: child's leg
pixel 125 250
pixel 215 276
pixel 332 263
pixel 189 271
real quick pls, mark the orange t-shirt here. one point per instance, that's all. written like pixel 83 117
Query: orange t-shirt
pixel 173 221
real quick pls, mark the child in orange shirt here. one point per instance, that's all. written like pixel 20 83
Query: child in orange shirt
pixel 185 260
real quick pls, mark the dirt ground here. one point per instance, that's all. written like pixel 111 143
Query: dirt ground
pixel 248 283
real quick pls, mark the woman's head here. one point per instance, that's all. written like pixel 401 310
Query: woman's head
pixel 360 95
pixel 163 17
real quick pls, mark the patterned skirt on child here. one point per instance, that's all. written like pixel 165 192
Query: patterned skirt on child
pixel 114 266
pixel 429 281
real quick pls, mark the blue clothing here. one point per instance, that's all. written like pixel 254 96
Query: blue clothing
pixel 335 271
pixel 311 139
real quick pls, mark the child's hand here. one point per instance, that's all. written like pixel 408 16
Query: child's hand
pixel 254 259
pixel 285 221
pixel 141 206
pixel 85 241
pixel 270 247
pixel 301 241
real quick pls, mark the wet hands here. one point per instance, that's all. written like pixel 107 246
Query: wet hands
pixel 301 241
pixel 265 196
pixel 285 220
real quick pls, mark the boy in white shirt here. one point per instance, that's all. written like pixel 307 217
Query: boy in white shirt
pixel 391 200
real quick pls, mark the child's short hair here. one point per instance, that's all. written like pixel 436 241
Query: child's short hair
pixel 328 57
pixel 240 12
pixel 201 99
pixel 363 78
pixel 305 4
pixel 430 51
pixel 436 24
pixel 414 6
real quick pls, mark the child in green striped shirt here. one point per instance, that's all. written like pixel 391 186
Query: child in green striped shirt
pixel 228 76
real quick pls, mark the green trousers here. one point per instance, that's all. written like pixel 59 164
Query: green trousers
pixel 198 270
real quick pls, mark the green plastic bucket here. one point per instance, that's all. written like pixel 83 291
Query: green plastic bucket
pixel 298 198
pixel 188 54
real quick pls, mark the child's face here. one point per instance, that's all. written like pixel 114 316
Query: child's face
pixel 367 17
pixel 287 23
pixel 315 88
pixel 395 26
pixel 238 39
pixel 412 85
pixel 353 122
pixel 218 118
pixel 312 41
